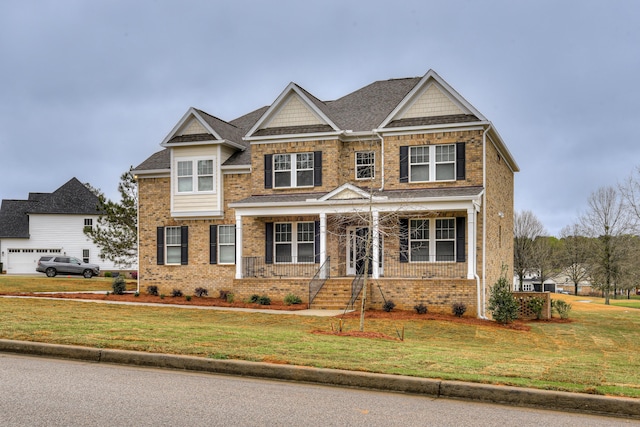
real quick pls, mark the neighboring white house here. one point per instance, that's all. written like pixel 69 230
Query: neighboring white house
pixel 49 223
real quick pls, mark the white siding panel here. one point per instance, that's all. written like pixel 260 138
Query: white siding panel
pixel 294 112
pixel 432 102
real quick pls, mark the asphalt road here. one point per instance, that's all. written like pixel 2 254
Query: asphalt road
pixel 38 391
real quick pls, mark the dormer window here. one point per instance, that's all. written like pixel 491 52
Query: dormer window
pixel 195 175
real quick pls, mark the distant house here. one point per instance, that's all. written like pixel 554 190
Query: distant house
pixel 285 198
pixel 49 223
pixel 531 283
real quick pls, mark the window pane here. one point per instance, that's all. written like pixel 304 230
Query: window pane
pixel 227 254
pixel 445 153
pixel 281 162
pixel 227 234
pixel 445 171
pixel 304 178
pixel 306 231
pixel 444 251
pixel 205 167
pixel 283 232
pixel 205 183
pixel 419 251
pixel 420 229
pixel 305 252
pixel 419 155
pixel 283 179
pixel 304 161
pixel 185 184
pixel 172 235
pixel 173 255
pixel 419 173
pixel 185 168
pixel 283 252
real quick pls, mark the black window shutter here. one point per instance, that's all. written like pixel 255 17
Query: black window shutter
pixel 160 246
pixel 268 173
pixel 460 161
pixel 184 245
pixel 213 244
pixel 460 235
pixel 317 168
pixel 404 164
pixel 268 243
pixel 317 242
pixel 404 240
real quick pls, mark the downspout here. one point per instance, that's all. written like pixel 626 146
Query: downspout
pixel 483 312
pixel 138 233
pixel 375 132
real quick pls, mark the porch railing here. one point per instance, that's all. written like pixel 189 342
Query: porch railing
pixel 356 287
pixel 318 281
pixel 289 267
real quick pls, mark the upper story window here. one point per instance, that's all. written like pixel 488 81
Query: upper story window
pixel 88 224
pixel 365 164
pixel 293 170
pixel 195 175
pixel 432 163
pixel 290 170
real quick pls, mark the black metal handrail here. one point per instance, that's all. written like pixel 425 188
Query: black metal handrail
pixel 356 288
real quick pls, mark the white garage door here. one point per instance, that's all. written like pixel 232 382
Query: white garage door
pixel 24 261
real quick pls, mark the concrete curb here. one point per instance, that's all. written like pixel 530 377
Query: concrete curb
pixel 514 396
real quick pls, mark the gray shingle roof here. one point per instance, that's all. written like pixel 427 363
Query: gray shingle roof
pixel 72 198
pixel 360 111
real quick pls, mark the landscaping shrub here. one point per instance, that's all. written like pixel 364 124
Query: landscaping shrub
pixel 188 297
pixel 536 305
pixel 420 308
pixel 388 306
pixel 176 293
pixel 152 290
pixel 459 308
pixel 292 299
pixel 119 286
pixel 107 274
pixel 502 304
pixel 254 298
pixel 230 297
pixel 201 292
pixel 224 293
pixel 562 307
pixel 264 300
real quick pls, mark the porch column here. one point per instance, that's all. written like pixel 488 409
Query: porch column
pixel 238 247
pixel 323 241
pixel 471 244
pixel 375 247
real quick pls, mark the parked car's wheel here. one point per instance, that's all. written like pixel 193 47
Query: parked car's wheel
pixel 88 274
pixel 51 272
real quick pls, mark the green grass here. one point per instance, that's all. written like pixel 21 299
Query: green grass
pixel 598 352
pixel 13 284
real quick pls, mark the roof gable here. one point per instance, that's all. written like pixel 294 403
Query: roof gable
pixel 197 127
pixel 349 192
pixel 294 111
pixel 432 97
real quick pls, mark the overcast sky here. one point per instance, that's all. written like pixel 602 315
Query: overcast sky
pixel 89 88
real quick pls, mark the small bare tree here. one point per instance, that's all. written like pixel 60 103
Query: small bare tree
pixel 574 255
pixel 526 229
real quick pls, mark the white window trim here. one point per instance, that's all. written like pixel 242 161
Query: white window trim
pixel 194 175
pixel 220 227
pixel 432 163
pixel 294 243
pixel 172 245
pixel 372 165
pixel 432 240
pixel 293 161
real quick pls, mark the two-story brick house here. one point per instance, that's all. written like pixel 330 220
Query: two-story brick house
pixel 403 180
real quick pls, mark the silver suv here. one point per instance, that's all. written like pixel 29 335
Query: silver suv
pixel 54 264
